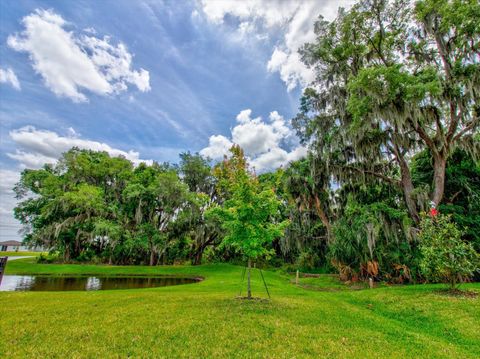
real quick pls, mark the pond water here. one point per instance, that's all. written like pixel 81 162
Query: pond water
pixel 62 283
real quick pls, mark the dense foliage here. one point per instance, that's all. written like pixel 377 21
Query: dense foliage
pixel 445 257
pixel 91 206
pixel 392 125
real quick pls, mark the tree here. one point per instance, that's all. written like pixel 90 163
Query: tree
pixel 309 189
pixel 445 256
pixel 205 231
pixel 197 173
pixel 155 197
pixel 92 205
pixel 393 78
pixel 248 214
pixel 66 203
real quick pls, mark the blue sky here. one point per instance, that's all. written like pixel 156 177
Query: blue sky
pixel 150 79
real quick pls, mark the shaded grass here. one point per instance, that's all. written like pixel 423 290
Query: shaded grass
pixel 204 319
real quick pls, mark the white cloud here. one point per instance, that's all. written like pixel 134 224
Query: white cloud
pixel 291 68
pixel 254 135
pixel 272 12
pixel 218 147
pixel 294 17
pixel 262 141
pixel 7 76
pixel 37 147
pixel 90 30
pixel 244 116
pixel 71 63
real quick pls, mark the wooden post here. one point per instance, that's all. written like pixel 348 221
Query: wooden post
pixel 3 264
pixel 249 287
pixel 296 277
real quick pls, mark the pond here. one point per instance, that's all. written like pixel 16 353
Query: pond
pixel 81 283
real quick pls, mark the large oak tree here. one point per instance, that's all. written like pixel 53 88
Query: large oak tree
pixel 394 77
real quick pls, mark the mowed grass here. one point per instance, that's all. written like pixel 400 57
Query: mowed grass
pixel 204 320
pixel 18 254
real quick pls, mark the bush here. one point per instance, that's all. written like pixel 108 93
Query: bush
pixel 307 261
pixel 446 257
pixel 53 257
pixel 372 241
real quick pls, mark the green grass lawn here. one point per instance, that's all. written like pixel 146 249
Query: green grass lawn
pixel 16 254
pixel 203 320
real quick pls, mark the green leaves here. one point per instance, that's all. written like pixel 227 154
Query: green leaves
pixel 445 256
pixel 83 198
pixel 377 90
pixel 249 213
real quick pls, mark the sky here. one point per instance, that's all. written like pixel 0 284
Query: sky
pixel 148 80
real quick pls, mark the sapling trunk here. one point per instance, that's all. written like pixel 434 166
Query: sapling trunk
pixel 249 288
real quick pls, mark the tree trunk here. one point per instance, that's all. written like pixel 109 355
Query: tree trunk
pixel 407 186
pixel 249 287
pixel 197 259
pixel 323 217
pixel 453 282
pixel 66 254
pixel 439 165
pixel 152 258
pixel 409 201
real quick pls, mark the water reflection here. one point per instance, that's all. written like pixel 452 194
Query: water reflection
pixel 55 283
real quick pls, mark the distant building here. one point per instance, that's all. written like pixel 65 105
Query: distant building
pixel 12 246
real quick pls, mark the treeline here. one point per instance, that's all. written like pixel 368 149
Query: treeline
pixel 90 206
pixel 93 207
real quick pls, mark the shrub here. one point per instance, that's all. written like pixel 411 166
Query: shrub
pixel 372 241
pixel 52 257
pixel 307 261
pixel 446 257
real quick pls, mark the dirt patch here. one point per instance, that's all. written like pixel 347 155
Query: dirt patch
pixel 253 299
pixel 319 289
pixel 458 293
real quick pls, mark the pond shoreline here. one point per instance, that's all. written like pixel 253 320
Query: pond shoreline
pixel 60 283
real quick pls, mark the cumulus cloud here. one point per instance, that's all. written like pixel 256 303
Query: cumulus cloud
pixel 218 147
pixel 264 142
pixel 7 76
pixel 295 18
pixel 256 136
pixel 277 157
pixel 36 147
pixel 71 63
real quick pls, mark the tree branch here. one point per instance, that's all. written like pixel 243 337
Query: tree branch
pixel 470 126
pixel 374 174
pixel 424 136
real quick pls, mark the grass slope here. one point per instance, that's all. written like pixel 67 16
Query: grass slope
pixel 204 319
